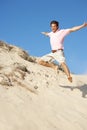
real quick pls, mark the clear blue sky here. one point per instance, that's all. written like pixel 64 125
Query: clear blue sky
pixel 21 22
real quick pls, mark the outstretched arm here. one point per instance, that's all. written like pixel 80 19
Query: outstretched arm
pixel 45 33
pixel 78 27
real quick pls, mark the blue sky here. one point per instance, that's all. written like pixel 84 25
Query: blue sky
pixel 21 22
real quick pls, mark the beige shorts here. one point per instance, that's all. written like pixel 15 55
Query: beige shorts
pixel 57 56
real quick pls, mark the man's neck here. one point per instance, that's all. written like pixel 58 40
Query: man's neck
pixel 56 31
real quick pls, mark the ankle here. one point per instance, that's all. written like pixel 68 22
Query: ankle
pixel 69 78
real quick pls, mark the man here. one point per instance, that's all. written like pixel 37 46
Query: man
pixel 56 40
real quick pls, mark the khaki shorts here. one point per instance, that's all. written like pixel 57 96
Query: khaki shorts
pixel 57 56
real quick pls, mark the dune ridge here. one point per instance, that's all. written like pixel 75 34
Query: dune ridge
pixel 34 97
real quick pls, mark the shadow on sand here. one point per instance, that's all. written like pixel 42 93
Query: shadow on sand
pixel 82 88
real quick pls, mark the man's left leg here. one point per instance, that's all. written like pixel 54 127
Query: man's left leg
pixel 59 56
pixel 66 70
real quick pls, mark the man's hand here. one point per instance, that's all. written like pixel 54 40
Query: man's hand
pixel 45 33
pixel 85 24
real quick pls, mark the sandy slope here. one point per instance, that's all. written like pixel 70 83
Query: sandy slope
pixel 34 97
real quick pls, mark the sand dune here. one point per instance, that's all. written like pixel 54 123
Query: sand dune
pixel 34 97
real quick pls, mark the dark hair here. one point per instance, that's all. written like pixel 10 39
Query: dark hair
pixel 54 22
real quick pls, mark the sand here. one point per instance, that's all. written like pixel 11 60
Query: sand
pixel 34 97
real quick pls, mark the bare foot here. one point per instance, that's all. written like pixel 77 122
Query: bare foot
pixel 70 79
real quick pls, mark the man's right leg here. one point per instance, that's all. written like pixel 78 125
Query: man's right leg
pixel 46 60
pixel 47 64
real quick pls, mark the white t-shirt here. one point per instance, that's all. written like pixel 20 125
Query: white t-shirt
pixel 57 38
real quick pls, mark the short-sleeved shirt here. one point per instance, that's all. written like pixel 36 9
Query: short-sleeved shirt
pixel 57 38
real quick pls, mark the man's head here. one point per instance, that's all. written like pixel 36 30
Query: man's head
pixel 54 25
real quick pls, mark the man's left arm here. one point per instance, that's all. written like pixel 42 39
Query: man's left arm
pixel 73 29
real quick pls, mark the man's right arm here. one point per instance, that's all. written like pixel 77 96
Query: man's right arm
pixel 45 33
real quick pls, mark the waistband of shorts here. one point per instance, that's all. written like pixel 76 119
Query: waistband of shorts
pixel 53 51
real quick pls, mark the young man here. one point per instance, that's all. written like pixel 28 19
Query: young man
pixel 56 40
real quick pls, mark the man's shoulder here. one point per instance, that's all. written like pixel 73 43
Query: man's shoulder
pixel 65 31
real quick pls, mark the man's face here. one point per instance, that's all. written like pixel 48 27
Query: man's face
pixel 54 27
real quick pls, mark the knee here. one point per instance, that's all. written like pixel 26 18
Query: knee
pixel 41 62
pixel 62 64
